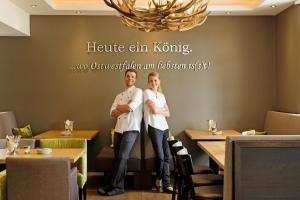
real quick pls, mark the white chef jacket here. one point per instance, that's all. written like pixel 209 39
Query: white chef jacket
pixel 129 121
pixel 157 121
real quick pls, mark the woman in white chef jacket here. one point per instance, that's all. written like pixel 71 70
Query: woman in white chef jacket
pixel 155 112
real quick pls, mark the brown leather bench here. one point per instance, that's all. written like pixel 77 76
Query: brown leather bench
pixel 141 161
pixel 105 158
pixel 281 123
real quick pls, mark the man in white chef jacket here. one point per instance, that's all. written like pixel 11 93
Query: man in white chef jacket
pixel 127 108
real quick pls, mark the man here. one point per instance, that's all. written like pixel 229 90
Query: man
pixel 127 108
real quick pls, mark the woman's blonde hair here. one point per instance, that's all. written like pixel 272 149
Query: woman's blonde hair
pixel 155 74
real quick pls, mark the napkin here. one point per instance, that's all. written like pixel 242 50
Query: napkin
pixel 250 132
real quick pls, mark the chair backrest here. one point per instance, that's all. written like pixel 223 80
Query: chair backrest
pixel 3 195
pixel 174 151
pixel 280 123
pixel 262 167
pixel 69 143
pixel 63 143
pixel 185 165
pixel 170 143
pixel 7 122
pixel 39 178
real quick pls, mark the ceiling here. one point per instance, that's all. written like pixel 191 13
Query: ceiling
pixel 98 7
pixel 15 14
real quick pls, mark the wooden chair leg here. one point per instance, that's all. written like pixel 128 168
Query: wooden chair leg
pixel 179 195
pixel 84 192
pixel 80 193
pixel 185 189
pixel 175 186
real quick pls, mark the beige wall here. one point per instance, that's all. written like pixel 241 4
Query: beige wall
pixel 36 82
pixel 288 60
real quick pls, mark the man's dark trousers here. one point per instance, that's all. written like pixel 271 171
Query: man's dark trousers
pixel 123 144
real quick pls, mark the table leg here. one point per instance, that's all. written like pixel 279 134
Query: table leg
pixel 213 165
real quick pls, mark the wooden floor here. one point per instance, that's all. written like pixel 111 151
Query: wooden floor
pixel 129 195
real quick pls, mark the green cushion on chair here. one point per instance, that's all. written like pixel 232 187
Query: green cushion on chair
pixel 3 185
pixel 81 179
pixel 112 134
pixel 81 164
pixel 25 132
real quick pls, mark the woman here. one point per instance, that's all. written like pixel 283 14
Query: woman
pixel 156 111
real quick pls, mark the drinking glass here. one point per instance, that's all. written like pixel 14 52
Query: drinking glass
pixel 69 125
pixel 212 125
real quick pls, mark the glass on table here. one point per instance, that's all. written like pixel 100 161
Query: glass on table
pixel 69 125
pixel 27 149
pixel 212 125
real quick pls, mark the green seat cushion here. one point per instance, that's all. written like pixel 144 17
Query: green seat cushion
pixel 81 180
pixel 3 185
pixel 112 134
pixel 25 132
pixel 81 164
pixel 63 143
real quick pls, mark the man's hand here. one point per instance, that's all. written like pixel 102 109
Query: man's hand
pixel 115 113
pixel 124 108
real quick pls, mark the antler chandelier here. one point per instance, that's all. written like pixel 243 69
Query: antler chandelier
pixel 161 15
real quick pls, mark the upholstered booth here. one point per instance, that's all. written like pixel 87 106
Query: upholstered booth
pixel 280 123
pixel 105 161
pixel 141 161
pixel 149 155
pixel 41 178
pixel 262 167
pixel 22 143
pixel 7 122
pixel 81 164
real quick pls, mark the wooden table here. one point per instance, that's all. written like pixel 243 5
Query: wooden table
pixel 215 150
pixel 72 154
pixel 84 134
pixel 207 135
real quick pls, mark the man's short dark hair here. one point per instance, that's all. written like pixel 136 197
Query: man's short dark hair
pixel 131 70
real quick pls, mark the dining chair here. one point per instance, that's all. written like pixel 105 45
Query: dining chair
pixel 198 169
pixel 190 190
pixel 41 178
pixel 201 174
pixel 81 163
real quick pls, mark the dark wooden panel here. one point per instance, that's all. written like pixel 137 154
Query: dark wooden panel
pixel 266 170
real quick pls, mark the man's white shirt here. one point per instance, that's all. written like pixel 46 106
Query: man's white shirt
pixel 129 121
